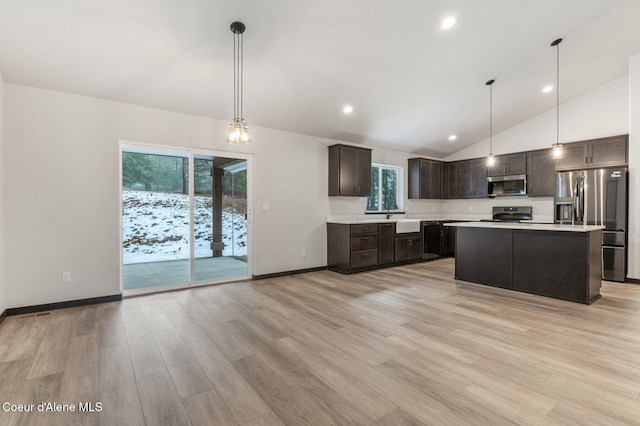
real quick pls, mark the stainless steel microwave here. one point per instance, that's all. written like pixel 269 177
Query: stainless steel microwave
pixel 499 186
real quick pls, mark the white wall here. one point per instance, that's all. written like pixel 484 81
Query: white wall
pixel 61 197
pixel 3 293
pixel 633 254
pixel 601 112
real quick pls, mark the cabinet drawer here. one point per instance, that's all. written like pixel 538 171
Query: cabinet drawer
pixel 362 258
pixel 364 242
pixel 369 228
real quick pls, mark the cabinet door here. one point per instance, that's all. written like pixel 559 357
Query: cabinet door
pixel 362 172
pixel 430 179
pixel 478 178
pixel 414 248
pixel 413 172
pixel 347 171
pixel 499 167
pixel 510 164
pixel 386 242
pixel 401 249
pixel 448 186
pixel 463 179
pixel 608 152
pixel 425 179
pixel 517 163
pixel 541 173
pixel 574 156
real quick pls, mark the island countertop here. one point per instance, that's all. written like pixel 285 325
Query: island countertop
pixel 527 226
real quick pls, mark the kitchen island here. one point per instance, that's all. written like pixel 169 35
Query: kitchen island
pixel 559 261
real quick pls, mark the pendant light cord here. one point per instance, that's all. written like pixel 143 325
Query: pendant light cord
pixel 241 66
pixel 491 119
pixel 235 77
pixel 238 75
pixel 557 93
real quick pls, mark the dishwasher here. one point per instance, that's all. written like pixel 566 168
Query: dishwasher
pixel 431 232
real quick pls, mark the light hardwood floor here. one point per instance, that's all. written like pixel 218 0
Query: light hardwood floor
pixel 400 346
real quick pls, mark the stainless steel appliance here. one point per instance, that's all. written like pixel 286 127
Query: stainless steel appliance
pixel 512 214
pixel 431 236
pixel 499 186
pixel 598 197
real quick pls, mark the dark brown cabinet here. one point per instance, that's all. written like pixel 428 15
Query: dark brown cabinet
pixel 448 182
pixel 470 178
pixel 425 179
pixel 541 173
pixel 364 246
pixel 408 247
pixel 349 171
pixel 386 248
pixel 603 152
pixel 352 247
pixel 448 241
pixel 509 164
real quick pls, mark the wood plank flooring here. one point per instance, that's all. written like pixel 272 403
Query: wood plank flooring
pixel 400 346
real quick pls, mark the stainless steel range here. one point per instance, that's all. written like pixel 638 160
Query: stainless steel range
pixel 512 214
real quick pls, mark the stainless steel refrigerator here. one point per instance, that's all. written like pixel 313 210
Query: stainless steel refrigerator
pixel 598 197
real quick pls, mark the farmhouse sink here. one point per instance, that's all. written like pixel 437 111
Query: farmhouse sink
pixel 404 226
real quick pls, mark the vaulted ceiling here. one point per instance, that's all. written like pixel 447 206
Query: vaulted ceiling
pixel 410 82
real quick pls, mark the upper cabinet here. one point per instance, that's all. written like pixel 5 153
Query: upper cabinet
pixel 509 164
pixel 541 175
pixel 603 152
pixel 425 177
pixel 467 179
pixel 349 171
pixel 448 181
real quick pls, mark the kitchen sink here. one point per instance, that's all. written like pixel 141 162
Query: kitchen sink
pixel 404 226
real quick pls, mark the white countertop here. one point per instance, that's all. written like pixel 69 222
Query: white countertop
pixel 365 221
pixel 527 226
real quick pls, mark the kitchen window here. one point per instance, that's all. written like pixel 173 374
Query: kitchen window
pixel 386 189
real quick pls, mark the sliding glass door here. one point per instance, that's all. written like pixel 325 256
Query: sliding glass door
pixel 220 217
pixel 184 217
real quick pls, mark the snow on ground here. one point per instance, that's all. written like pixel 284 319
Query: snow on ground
pixel 156 227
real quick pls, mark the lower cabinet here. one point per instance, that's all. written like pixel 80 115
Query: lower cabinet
pixel 408 247
pixel 386 246
pixel 360 247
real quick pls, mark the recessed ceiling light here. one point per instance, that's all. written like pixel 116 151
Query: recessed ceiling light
pixel 547 89
pixel 452 137
pixel 348 109
pixel 448 22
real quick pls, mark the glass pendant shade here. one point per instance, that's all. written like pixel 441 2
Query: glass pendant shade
pixel 556 150
pixel 238 132
pixel 491 160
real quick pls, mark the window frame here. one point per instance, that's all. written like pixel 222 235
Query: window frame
pixel 399 189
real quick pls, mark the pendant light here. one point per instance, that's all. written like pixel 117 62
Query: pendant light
pixel 238 131
pixel 490 158
pixel 557 147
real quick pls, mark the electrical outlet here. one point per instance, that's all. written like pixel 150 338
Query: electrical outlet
pixel 304 252
pixel 66 277
pixel 470 208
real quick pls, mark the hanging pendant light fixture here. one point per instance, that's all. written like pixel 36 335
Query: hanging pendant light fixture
pixel 557 147
pixel 238 131
pixel 490 158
